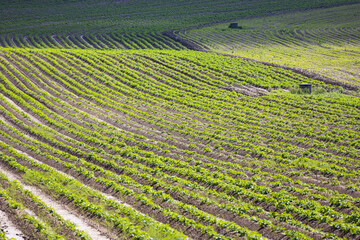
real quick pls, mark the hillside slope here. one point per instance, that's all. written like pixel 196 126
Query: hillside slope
pixel 175 135
pixel 134 16
pixel 325 41
pixel 110 128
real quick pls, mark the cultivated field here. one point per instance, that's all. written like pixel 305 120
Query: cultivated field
pixel 92 41
pixel 325 41
pixel 134 16
pixel 172 135
pixel 119 133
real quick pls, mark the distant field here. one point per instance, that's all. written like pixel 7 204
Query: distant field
pixel 326 41
pixel 91 41
pixel 133 16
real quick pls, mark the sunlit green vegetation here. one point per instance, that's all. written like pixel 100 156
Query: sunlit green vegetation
pixel 164 132
pixel 325 41
pixel 145 139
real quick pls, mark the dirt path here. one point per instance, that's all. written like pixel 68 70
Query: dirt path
pixel 82 223
pixel 26 40
pixel 20 109
pixel 13 42
pixel 10 124
pixel 10 228
pixel 34 119
pixel 87 42
pixel 53 37
pixel 55 205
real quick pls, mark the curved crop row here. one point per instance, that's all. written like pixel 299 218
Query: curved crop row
pixel 92 41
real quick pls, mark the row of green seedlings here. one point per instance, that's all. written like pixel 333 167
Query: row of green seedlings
pixel 97 41
pixel 215 41
pixel 16 209
pixel 202 44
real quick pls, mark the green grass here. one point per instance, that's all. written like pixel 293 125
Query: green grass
pixel 301 40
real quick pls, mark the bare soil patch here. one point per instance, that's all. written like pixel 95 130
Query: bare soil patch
pixel 11 230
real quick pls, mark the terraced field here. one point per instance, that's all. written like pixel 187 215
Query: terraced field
pixel 325 41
